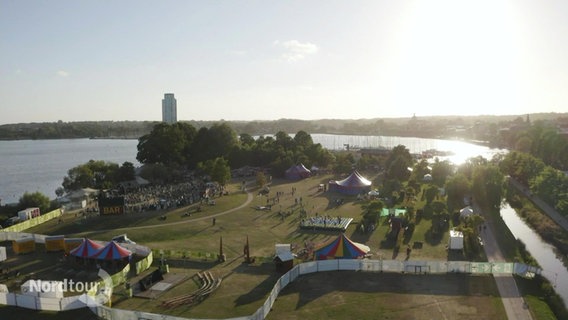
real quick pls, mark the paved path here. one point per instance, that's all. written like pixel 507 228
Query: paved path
pixel 512 300
pixel 550 211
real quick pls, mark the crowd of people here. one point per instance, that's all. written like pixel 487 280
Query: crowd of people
pixel 159 197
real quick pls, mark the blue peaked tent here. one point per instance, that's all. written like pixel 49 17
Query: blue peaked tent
pixel 297 172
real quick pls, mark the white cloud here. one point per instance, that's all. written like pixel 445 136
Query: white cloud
pixel 62 73
pixel 295 50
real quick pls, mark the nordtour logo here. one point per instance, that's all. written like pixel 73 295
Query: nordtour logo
pixel 94 293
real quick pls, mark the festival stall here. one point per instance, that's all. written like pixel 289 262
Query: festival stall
pixel 54 243
pixel 23 245
pixel 71 243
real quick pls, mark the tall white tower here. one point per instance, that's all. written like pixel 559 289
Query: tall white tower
pixel 169 108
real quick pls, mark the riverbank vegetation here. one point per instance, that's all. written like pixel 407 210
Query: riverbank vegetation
pixel 498 131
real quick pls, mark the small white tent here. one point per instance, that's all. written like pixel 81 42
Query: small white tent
pixel 466 212
pixel 456 240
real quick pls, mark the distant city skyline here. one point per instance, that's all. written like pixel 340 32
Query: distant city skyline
pixel 256 60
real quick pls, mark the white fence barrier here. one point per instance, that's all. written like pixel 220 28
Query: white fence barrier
pixel 409 266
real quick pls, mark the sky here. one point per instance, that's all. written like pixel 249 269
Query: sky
pixel 74 60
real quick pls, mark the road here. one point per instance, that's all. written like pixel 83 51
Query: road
pixel 512 300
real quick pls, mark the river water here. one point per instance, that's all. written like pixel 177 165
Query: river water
pixel 553 269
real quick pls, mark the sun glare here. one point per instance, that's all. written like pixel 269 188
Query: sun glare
pixel 459 56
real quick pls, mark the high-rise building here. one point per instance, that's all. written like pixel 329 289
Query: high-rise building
pixel 169 108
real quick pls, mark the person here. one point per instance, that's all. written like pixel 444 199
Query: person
pixel 408 250
pixel 214 221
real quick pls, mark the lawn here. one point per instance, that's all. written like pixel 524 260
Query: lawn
pixel 360 295
pixel 245 287
pixel 264 228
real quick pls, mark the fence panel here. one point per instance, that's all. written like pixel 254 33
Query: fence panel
pixel 350 264
pixel 371 265
pixel 416 267
pixel 481 267
pixel 294 273
pixel 502 267
pixel 458 266
pixel 71 303
pixel 327 265
pixel 8 298
pixel 308 267
pixel 284 280
pixel 24 301
pixel 392 266
pixel 50 304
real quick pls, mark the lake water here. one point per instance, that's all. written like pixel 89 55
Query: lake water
pixel 40 165
pixel 461 150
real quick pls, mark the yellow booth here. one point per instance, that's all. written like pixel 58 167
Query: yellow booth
pixel 54 243
pixel 23 245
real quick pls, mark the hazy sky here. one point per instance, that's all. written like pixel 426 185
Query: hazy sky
pixel 256 60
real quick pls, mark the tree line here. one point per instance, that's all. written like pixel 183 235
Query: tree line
pixel 181 146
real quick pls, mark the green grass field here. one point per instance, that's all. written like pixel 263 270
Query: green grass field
pixel 245 287
pixel 264 228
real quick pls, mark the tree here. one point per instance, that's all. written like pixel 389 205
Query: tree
pixel 59 192
pixel 157 173
pixel 398 169
pixel 93 174
pixel 246 139
pixel 126 172
pixel 420 169
pixel 344 162
pixel 166 144
pixel 221 172
pixel 260 179
pixel 398 162
pixel 36 199
pixel 488 185
pixel 430 193
pixel 440 171
pixel 303 139
pixel 372 212
pixel 457 187
pixel 284 140
pixel 217 141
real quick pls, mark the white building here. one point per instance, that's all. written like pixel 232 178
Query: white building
pixel 169 108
